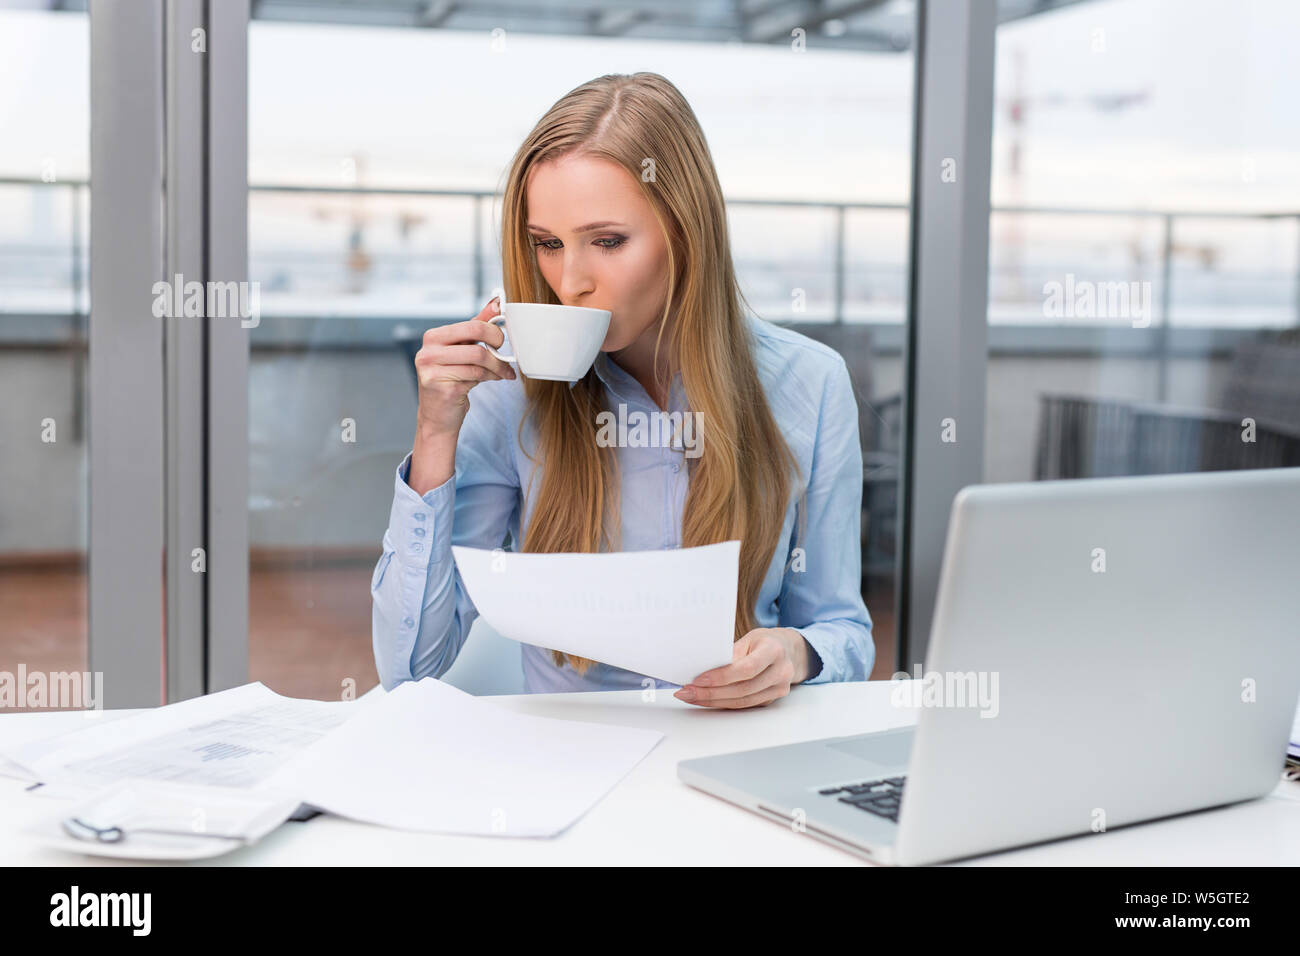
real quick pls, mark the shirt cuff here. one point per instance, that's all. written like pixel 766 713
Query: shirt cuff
pixel 818 654
pixel 420 525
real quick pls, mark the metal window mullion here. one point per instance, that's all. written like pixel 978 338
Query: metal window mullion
pixel 125 344
pixel 947 350
pixel 185 215
pixel 227 347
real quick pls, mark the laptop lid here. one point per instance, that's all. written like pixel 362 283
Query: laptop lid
pixel 1138 640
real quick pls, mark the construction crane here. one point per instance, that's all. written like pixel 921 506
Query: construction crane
pixel 358 261
pixel 1016 108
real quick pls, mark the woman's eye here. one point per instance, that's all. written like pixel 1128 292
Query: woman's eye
pixel 607 244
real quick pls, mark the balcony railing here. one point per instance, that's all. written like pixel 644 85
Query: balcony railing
pixel 1195 311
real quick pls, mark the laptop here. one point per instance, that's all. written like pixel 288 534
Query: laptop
pixel 1103 652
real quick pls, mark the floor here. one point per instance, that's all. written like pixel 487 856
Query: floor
pixel 309 633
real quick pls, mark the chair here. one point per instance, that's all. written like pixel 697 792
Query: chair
pixel 880 437
pixel 1086 437
pixel 488 663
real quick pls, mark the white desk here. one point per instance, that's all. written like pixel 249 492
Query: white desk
pixel 653 818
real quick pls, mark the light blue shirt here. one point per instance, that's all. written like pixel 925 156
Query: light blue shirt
pixel 422 613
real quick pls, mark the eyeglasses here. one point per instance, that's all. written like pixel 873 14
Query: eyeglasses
pixel 82 830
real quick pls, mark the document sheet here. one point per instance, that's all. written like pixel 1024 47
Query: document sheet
pixel 205 776
pixel 235 738
pixel 434 758
pixel 667 614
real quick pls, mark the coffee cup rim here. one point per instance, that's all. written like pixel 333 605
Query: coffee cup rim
pixel 559 305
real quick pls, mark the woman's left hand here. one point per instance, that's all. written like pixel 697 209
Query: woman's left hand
pixel 764 664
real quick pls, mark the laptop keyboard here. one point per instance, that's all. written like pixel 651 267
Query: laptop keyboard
pixel 880 797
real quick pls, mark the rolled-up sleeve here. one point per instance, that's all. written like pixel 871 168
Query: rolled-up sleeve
pixel 421 613
pixel 823 601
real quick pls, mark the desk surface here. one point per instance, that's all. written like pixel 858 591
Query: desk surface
pixel 652 818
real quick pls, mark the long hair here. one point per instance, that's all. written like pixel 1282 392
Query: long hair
pixel 740 484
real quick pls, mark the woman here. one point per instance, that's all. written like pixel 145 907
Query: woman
pixel 613 202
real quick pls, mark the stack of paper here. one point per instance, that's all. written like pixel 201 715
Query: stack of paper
pixel 235 738
pixel 206 775
pixel 1293 748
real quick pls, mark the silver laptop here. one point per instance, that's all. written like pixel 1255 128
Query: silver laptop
pixel 1104 652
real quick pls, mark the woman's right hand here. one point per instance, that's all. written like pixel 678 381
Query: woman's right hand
pixel 450 363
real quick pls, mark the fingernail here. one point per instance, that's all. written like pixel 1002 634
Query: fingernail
pixel 686 694
pixel 495 303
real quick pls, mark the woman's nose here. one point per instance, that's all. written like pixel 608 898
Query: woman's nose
pixel 574 284
pixel 575 278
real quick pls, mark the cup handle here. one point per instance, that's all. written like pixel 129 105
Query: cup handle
pixel 500 320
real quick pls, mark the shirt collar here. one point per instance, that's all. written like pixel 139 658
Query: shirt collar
pixel 621 383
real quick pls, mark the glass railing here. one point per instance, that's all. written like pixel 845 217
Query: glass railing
pixel 429 255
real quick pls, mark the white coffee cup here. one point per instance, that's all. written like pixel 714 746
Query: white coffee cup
pixel 557 343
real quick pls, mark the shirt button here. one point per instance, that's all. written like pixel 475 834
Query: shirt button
pixel 409 623
pixel 676 467
pixel 419 532
pixel 417 547
pixel 418 516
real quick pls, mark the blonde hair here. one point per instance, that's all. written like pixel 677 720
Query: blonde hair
pixel 740 484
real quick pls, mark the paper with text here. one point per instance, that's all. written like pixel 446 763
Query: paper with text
pixel 666 614
pixel 234 738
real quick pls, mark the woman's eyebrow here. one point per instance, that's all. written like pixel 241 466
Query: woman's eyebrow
pixel 589 227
